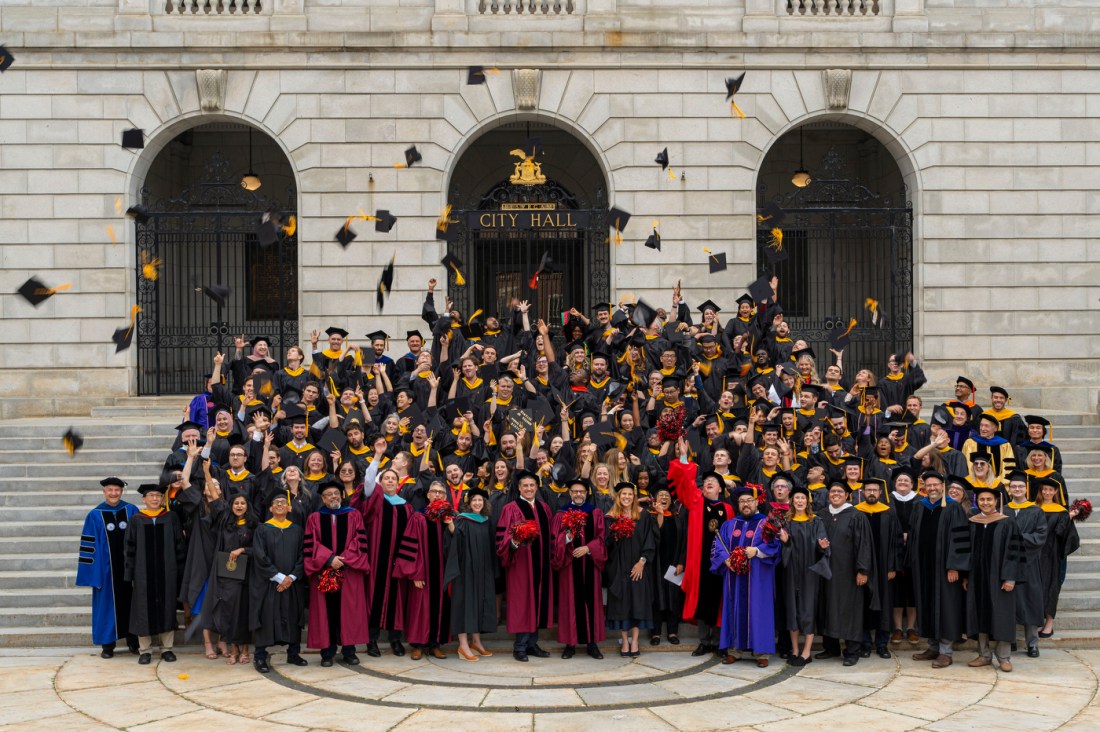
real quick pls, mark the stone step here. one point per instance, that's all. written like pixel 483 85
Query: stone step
pixel 76 596
pixel 30 528
pixel 38 562
pixel 38 617
pixel 83 470
pixel 39 579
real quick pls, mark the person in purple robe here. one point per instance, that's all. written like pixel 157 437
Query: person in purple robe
pixel 336 541
pixel 528 577
pixel 748 599
pixel 578 559
pixel 421 560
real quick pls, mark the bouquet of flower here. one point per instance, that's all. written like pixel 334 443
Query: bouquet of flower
pixel 574 522
pixel 739 561
pixel 524 532
pixel 670 425
pixel 623 528
pixel 439 510
pixel 1083 507
pixel 330 580
pixel 775 523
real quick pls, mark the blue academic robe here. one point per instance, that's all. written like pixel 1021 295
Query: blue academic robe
pixel 748 604
pixel 102 567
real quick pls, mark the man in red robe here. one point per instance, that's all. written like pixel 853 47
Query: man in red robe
pixel 528 579
pixel 421 559
pixel 335 539
pixel 706 514
pixel 578 559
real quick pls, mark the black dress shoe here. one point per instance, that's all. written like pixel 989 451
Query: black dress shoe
pixel 674 640
pixel 145 659
pixel 105 653
pixel 168 656
pixel 262 666
pixel 851 660
pixel 537 652
pixel 519 656
pixel 372 650
pixel 825 654
pixel 884 653
pixel 701 650
pixel 1033 652
pixel 326 663
pixel 398 648
pixel 351 660
pixel 568 652
pixel 594 651
pixel 297 661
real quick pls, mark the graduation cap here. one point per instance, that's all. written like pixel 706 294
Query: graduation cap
pixel 138 213
pixel 454 264
pixel 218 293
pixel 771 215
pixel 36 293
pixel 133 139
pixel 838 339
pixel 476 74
pixel 124 337
pixel 717 262
pixel 643 315
pixel 6 58
pixel 761 289
pixel 332 439
pixel 533 283
pixel 878 315
pixel 385 283
pixel 73 441
pixel 733 85
pixel 617 220
pixel 412 156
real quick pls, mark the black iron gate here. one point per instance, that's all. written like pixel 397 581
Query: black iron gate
pixel 500 261
pixel 206 236
pixel 845 244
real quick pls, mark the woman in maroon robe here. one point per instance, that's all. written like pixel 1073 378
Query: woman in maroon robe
pixel 421 559
pixel 528 582
pixel 578 559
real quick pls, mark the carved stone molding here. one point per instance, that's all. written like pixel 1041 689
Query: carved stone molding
pixel 525 87
pixel 211 84
pixel 838 85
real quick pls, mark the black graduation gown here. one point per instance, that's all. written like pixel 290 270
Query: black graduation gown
pixel 154 561
pixel 627 599
pixel 886 534
pixel 1062 540
pixel 471 571
pixel 995 558
pixel 225 608
pixel 277 618
pixel 1028 595
pixel 805 565
pixel 939 540
pixel 851 551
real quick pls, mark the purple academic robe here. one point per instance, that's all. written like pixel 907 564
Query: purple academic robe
pixel 748 605
pixel 386 525
pixel 580 589
pixel 528 580
pixel 422 556
pixel 330 533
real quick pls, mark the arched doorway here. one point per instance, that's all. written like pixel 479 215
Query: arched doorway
pixel 509 212
pixel 847 236
pixel 202 227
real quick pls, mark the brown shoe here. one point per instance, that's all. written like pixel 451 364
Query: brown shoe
pixel 895 637
pixel 417 653
pixel 979 662
pixel 928 655
pixel 438 653
pixel 727 659
pixel 942 661
pixel 1006 666
pixel 912 637
pixel 762 662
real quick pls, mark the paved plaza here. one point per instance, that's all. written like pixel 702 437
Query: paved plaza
pixel 75 690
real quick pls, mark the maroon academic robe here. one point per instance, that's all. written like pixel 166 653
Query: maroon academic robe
pixel 422 556
pixel 386 524
pixel 580 586
pixel 330 533
pixel 528 582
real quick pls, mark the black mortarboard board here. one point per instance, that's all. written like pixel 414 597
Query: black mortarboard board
pixel 654 241
pixel 475 75
pixel 643 315
pixel 6 58
pixel 733 85
pixel 332 439
pixel 123 338
pixel 709 304
pixel 771 215
pixel 133 139
pixel 336 331
pixel 761 289
pixel 73 442
pixel 384 221
pixel 617 219
pixel 385 283
pixel 412 155
pixel 345 235
pixel 218 293
pixel 267 232
pixel 138 213
pixel 717 262
pixel 35 292
pixel 662 158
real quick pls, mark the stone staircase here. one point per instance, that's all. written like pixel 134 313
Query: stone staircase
pixel 45 494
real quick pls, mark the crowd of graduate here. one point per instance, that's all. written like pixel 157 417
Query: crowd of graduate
pixel 636 470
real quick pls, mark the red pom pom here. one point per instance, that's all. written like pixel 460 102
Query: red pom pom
pixel 739 561
pixel 524 532
pixel 439 510
pixel 623 528
pixel 1083 507
pixel 574 522
pixel 330 580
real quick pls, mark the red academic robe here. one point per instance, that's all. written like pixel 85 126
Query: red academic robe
pixel 681 477
pixel 331 533
pixel 580 589
pixel 422 556
pixel 528 583
pixel 386 525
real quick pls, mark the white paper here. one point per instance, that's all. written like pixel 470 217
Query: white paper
pixel 671 576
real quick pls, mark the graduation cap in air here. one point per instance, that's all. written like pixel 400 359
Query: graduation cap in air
pixel 124 337
pixel 6 58
pixel 476 74
pixel 412 156
pixel 617 220
pixel 878 315
pixel 716 262
pixel 36 293
pixel 138 213
pixel 133 139
pixel 454 264
pixel 73 441
pixel 643 315
pixel 839 338
pixel 218 293
pixel 761 289
pixel 662 158
pixel 533 283
pixel 733 85
pixel 385 283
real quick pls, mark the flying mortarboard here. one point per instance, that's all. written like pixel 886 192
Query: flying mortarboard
pixel 385 283
pixel 73 441
pixel 6 58
pixel 36 293
pixel 124 337
pixel 839 338
pixel 133 139
pixel 617 219
pixel 733 85
pixel 717 262
pixel 218 293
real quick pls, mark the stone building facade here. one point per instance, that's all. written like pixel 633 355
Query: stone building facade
pixel 988 113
